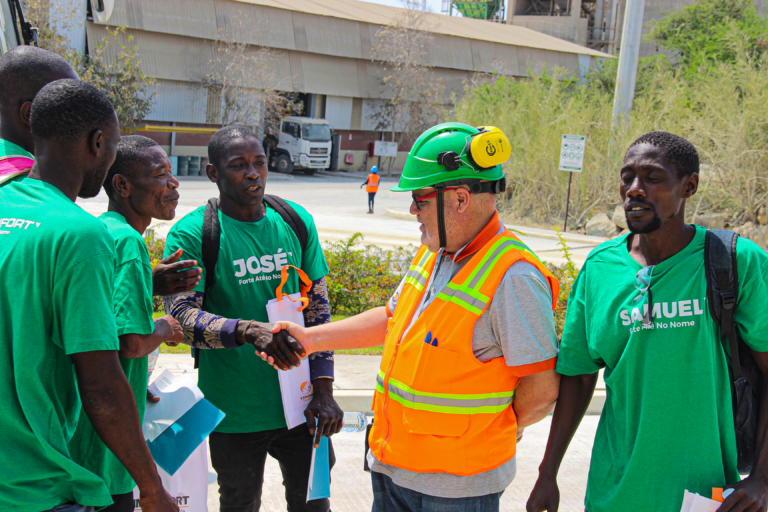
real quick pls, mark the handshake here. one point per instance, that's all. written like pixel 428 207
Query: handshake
pixel 282 344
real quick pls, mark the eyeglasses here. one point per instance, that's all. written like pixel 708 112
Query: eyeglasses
pixel 643 285
pixel 431 195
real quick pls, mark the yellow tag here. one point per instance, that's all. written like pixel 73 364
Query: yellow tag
pixel 491 148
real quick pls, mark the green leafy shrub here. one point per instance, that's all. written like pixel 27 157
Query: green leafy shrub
pixel 363 276
pixel 155 246
pixel 565 273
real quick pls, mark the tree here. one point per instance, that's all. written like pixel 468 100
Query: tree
pixel 415 95
pixel 241 83
pixel 704 32
pixel 120 78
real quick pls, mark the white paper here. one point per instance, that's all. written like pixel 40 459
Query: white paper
pixel 295 386
pixel 177 396
pixel 693 502
pixel 189 485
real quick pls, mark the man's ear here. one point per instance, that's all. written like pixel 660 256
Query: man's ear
pixel 96 142
pixel 691 185
pixel 121 185
pixel 212 172
pixel 24 112
pixel 463 197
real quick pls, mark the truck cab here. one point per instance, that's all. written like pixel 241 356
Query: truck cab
pixel 303 144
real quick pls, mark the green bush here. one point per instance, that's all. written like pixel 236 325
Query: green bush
pixel 155 246
pixel 565 274
pixel 712 91
pixel 363 276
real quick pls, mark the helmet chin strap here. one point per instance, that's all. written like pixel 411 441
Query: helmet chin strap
pixel 440 188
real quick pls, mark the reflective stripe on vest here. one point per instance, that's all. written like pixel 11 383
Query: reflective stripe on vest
pixel 417 275
pixel 467 295
pixel 484 403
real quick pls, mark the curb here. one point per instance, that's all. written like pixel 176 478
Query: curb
pixel 400 215
pixel 361 399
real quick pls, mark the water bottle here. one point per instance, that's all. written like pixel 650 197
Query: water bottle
pixel 354 422
pixel 151 361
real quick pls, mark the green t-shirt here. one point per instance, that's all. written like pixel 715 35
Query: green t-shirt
pixel 9 150
pixel 57 265
pixel 251 255
pixel 667 424
pixel 133 314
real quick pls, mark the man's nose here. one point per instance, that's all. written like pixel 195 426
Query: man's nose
pixel 252 172
pixel 413 210
pixel 636 189
pixel 173 182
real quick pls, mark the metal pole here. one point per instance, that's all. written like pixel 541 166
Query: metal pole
pixel 567 202
pixel 628 57
pixel 598 26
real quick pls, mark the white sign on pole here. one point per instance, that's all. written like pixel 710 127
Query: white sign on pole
pixel 572 153
pixel 384 148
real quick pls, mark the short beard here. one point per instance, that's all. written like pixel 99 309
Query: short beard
pixel 643 229
pixel 92 182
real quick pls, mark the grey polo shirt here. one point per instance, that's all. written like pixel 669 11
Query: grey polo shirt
pixel 518 326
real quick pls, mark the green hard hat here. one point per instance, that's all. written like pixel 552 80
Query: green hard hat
pixel 423 170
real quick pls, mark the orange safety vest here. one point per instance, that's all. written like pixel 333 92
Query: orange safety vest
pixel 373 183
pixel 437 408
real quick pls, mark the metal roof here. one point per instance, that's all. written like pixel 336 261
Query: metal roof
pixel 366 12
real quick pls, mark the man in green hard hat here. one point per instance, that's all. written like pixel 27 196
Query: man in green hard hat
pixel 469 336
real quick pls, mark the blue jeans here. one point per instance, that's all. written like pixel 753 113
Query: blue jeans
pixel 390 497
pixel 71 507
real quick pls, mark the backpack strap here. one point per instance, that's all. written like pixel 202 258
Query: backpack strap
pixel 722 292
pixel 210 252
pixel 290 217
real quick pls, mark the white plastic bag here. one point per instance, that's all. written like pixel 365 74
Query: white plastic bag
pixel 295 386
pixel 189 485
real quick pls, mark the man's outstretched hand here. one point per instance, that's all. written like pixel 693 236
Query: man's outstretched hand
pixel 275 346
pixel 300 343
pixel 170 276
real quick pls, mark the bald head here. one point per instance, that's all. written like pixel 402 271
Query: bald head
pixel 27 69
pixel 23 72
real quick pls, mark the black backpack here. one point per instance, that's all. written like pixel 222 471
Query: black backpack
pixel 212 239
pixel 746 386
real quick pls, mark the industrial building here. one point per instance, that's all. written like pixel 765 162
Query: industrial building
pixel 323 50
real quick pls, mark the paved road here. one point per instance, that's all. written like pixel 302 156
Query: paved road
pixel 339 208
pixel 351 489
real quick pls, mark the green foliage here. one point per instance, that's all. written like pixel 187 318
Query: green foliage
pixel 703 33
pixel 534 114
pixel 722 108
pixel 155 246
pixel 113 66
pixel 363 277
pixel 565 273
pixel 603 79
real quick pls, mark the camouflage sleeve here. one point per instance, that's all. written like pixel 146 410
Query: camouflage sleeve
pixel 318 312
pixel 201 329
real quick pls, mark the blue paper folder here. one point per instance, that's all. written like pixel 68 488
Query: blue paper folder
pixel 174 446
pixel 320 486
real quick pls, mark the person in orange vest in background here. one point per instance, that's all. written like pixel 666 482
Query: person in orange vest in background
pixel 372 186
pixel 469 338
